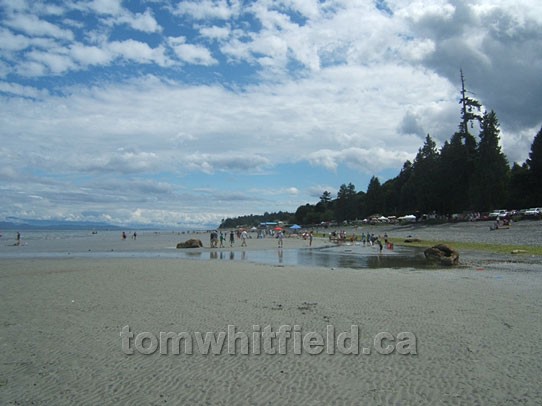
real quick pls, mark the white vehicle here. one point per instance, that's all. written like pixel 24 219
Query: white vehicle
pixel 498 214
pixel 535 211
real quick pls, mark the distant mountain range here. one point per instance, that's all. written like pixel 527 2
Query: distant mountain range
pixel 13 223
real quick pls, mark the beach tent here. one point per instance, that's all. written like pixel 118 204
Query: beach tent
pixel 295 227
pixel 408 218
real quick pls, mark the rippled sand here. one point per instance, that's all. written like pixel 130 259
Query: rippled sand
pixel 478 333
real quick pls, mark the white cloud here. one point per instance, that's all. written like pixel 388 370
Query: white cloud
pixel 209 9
pixel 111 7
pixel 336 85
pixel 139 52
pixel 13 42
pixel 32 25
pixel 55 63
pixel 190 53
pixel 90 55
pixel 215 32
pixel 24 91
pixel 144 22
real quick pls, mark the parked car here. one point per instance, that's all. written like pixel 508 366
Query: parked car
pixel 533 212
pixel 498 214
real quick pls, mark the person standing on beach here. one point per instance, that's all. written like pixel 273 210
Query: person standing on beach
pixel 214 238
pixel 18 238
pixel 310 239
pixel 244 236
pixel 222 239
pixel 280 236
pixel 232 238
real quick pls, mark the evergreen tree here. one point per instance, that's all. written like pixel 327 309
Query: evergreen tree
pixel 345 205
pixel 424 179
pixel 325 199
pixel 489 188
pixel 373 198
pixel 535 170
pixel 407 196
pixel 470 109
pixel 456 166
pixel 470 113
pixel 520 191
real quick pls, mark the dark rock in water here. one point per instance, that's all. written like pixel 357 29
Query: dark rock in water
pixel 412 240
pixel 443 254
pixel 192 243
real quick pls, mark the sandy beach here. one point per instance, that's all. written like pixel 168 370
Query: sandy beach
pixel 477 332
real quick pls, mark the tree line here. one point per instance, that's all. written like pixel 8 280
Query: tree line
pixel 468 173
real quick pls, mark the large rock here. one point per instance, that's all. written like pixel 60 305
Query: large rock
pixel 192 243
pixel 443 254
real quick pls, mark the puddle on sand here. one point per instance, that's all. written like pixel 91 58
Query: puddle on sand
pixel 331 257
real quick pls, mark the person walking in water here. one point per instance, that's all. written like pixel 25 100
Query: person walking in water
pixel 280 236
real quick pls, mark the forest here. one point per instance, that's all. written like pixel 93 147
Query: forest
pixel 470 173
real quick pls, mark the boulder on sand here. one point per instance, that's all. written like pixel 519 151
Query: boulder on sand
pixel 443 254
pixel 192 243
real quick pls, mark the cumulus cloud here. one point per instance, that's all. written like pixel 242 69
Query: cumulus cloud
pixel 207 101
pixel 209 9
pixel 190 53
pixel 32 25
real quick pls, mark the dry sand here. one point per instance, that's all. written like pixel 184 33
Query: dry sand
pixel 477 330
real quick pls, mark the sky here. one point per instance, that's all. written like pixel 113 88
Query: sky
pixel 182 113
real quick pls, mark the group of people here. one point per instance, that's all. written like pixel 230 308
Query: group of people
pixel 124 236
pixel 369 239
pixel 218 240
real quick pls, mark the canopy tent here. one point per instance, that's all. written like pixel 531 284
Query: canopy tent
pixel 295 227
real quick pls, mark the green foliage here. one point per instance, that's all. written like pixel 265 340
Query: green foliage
pixel 374 198
pixel 520 186
pixel 456 166
pixel 535 170
pixel 490 180
pixel 254 220
pixel 424 178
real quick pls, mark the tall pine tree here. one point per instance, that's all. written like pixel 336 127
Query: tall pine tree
pixel 425 176
pixel 455 169
pixel 373 198
pixel 489 187
pixel 535 170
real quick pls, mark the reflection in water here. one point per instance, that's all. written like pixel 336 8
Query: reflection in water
pixel 333 257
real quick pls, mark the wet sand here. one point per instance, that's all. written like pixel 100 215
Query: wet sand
pixel 477 330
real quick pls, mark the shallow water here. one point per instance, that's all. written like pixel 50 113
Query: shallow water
pixel 338 257
pixel 84 244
